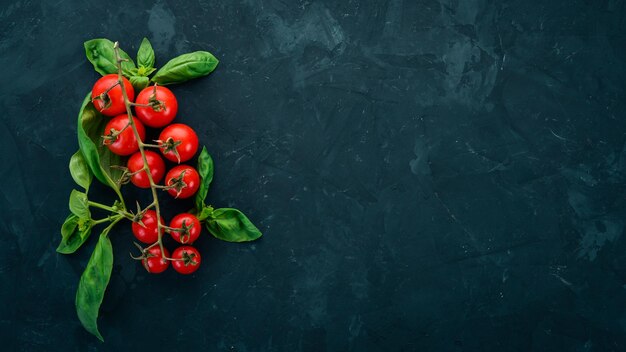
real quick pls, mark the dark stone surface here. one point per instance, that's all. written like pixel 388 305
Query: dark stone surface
pixel 429 175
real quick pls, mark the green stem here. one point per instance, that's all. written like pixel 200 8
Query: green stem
pixel 163 187
pixel 119 195
pixel 141 105
pixel 108 228
pixel 121 212
pixel 108 218
pixel 126 214
pixel 140 144
pixel 102 206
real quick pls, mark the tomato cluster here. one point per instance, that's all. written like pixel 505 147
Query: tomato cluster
pixel 184 228
pixel 155 107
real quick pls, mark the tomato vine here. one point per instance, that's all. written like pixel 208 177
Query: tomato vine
pixel 97 159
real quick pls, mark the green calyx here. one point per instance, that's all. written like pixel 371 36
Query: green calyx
pixel 184 232
pixel 169 146
pixel 189 258
pixel 177 183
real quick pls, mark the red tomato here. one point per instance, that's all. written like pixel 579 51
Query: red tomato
pixel 155 164
pixel 163 110
pixel 147 234
pixel 186 260
pixel 190 181
pixel 125 143
pixel 181 139
pixel 154 263
pixel 189 226
pixel 111 103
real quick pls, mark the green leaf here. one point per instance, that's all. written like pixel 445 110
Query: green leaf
pixel 99 158
pixel 186 67
pixel 80 171
pixel 147 71
pixel 145 54
pixel 74 231
pixel 68 229
pixel 93 283
pixel 142 71
pixel 79 204
pixel 205 169
pixel 102 56
pixel 139 82
pixel 69 226
pixel 231 225
pixel 203 214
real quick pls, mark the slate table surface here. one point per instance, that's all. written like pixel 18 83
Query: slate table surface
pixel 428 175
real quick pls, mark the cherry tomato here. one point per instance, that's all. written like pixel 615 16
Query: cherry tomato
pixel 125 143
pixel 181 139
pixel 154 263
pixel 186 260
pixel 147 234
pixel 163 110
pixel 190 181
pixel 112 103
pixel 155 164
pixel 190 228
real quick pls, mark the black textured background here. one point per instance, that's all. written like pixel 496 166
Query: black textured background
pixel 429 175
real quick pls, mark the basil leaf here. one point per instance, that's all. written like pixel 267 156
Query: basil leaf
pixel 67 230
pixel 204 213
pixel 145 54
pixel 186 67
pixel 99 158
pixel 69 226
pixel 102 56
pixel 205 169
pixel 231 225
pixel 93 283
pixel 146 71
pixel 74 232
pixel 79 205
pixel 80 171
pixel 139 82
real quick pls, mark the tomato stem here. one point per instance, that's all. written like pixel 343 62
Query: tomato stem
pixel 165 188
pixel 145 253
pixel 153 188
pixel 141 105
pixel 152 245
